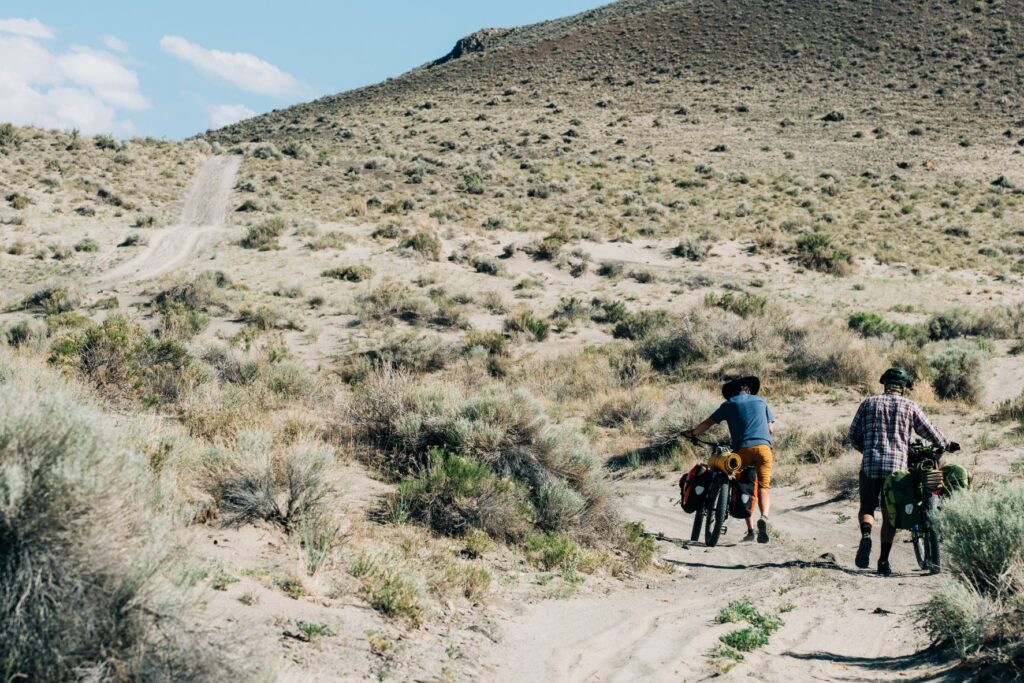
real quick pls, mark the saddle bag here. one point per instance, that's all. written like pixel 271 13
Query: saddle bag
pixel 903 497
pixel 743 493
pixel 693 487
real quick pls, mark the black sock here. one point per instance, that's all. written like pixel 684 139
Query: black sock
pixel 886 547
pixel 865 529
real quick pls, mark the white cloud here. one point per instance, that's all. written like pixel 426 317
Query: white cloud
pixel 114 43
pixel 80 88
pixel 105 76
pixel 246 71
pixel 32 28
pixel 226 114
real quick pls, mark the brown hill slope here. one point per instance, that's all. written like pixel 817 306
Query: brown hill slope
pixel 954 65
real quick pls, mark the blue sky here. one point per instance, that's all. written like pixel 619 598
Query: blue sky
pixel 174 69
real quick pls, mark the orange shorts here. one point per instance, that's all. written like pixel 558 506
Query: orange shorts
pixel 759 457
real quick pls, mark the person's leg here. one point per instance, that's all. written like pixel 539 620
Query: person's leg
pixel 888 536
pixel 764 492
pixel 764 463
pixel 869 498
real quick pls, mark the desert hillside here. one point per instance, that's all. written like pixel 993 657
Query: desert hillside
pixel 391 384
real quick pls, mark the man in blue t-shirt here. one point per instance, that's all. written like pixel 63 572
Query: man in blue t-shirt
pixel 751 425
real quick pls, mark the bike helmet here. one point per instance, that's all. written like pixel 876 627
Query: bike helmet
pixel 896 377
pixel 734 386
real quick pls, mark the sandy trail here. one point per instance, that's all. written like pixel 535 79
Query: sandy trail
pixel 204 210
pixel 662 632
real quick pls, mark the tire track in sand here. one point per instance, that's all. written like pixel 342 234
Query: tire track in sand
pixel 204 211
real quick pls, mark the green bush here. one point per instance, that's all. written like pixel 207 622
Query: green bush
pixel 53 299
pixel 639 324
pixel 552 551
pixel 956 372
pixel 744 305
pixel 977 614
pixel 124 361
pixel 263 236
pixel 745 639
pixel 495 432
pixel 814 250
pixel 425 243
pixel 454 494
pixel 352 273
pixel 983 535
pixel 87 244
pixel 525 322
pixel 874 325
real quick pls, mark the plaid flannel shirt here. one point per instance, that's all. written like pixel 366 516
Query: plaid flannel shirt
pixel 881 430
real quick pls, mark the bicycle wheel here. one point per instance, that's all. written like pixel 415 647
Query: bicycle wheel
pixel 717 512
pixel 919 548
pixel 931 538
pixel 698 523
pixel 931 547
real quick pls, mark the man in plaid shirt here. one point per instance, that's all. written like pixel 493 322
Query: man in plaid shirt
pixel 881 430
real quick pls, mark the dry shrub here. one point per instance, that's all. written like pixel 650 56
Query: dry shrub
pixel 217 413
pixel 956 371
pixel 435 433
pixel 572 376
pixel 688 409
pixel 53 299
pixel 1011 409
pixel 79 555
pixel 699 336
pixel 825 445
pixel 125 362
pixel 408 352
pixel 624 409
pixel 829 355
pixel 256 482
pixel 842 475
pixel 977 614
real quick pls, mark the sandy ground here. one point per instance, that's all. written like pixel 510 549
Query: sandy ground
pixel 845 624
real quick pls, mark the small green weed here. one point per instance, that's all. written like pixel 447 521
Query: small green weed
pixel 310 631
pixel 745 639
pixel 220 582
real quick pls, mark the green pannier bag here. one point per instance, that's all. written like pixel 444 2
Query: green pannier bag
pixel 903 498
pixel 955 477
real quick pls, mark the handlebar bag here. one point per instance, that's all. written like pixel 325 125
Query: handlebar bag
pixel 955 477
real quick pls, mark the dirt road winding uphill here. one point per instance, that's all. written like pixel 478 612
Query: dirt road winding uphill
pixel 841 624
pixel 206 205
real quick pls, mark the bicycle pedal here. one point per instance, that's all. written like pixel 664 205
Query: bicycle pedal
pixel 725 530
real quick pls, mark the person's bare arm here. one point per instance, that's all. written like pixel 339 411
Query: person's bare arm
pixel 771 428
pixel 701 428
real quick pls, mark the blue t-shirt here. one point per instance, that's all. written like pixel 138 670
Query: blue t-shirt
pixel 748 417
